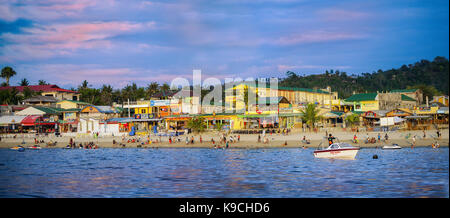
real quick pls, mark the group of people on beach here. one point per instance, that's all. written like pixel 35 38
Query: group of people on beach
pixel 87 145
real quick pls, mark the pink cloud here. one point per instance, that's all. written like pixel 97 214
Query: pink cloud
pixel 63 39
pixel 48 10
pixel 336 14
pixel 316 36
pixel 284 67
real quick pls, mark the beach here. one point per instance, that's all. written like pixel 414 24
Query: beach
pixel 292 140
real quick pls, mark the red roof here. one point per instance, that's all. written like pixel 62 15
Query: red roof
pixel 30 120
pixel 37 88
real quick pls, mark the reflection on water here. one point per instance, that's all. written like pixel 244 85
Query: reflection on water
pixel 419 172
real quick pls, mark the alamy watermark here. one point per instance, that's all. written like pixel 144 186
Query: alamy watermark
pixel 240 94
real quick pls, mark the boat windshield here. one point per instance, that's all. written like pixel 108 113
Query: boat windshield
pixel 340 145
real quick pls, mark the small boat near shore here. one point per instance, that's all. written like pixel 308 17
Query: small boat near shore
pixel 18 148
pixel 34 147
pixel 391 146
pixel 340 150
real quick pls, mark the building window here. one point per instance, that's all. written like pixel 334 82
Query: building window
pixel 74 98
pixel 143 111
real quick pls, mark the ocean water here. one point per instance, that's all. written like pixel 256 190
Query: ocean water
pixel 229 173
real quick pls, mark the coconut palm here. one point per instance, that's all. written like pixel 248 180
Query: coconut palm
pixel 197 124
pixel 310 115
pixel 352 119
pixel 152 89
pixel 7 72
pixel 24 82
pixel 42 82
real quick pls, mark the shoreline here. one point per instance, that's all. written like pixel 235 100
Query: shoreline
pixel 293 140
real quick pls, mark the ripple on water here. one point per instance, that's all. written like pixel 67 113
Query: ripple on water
pixel 217 173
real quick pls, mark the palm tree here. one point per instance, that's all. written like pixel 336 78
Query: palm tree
pixel 165 87
pixel 106 95
pixel 352 119
pixel 84 84
pixel 24 82
pixel 42 82
pixel 197 124
pixel 152 89
pixel 310 114
pixel 7 72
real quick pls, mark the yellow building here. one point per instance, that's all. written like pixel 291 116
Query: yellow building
pixel 364 101
pixel 69 104
pixel 48 90
pixel 294 95
pixel 441 99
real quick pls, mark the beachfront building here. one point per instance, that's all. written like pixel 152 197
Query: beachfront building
pixel 296 96
pixel 47 90
pixel 69 104
pixel 364 102
pixel 40 100
pixel 10 109
pixel 11 123
pixel 92 115
pixel 415 94
pixel 443 100
pixel 42 119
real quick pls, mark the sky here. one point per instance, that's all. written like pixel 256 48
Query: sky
pixel 136 41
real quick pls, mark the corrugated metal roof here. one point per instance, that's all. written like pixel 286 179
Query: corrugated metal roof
pixel 362 97
pixel 38 88
pixel 407 98
pixel 8 119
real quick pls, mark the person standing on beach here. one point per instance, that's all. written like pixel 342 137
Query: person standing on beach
pixel 414 141
pixel 330 139
pixel 201 140
pixel 379 137
pixel 386 137
pixel 259 138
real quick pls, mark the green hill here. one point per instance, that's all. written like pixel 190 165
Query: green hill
pixel 430 75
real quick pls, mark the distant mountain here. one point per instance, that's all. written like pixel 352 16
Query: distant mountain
pixel 422 73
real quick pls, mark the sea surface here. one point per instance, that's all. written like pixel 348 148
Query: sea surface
pixel 229 173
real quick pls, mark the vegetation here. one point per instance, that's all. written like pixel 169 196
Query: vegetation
pixel 310 115
pixel 197 124
pixel 430 77
pixel 352 119
pixel 423 73
pixel 24 82
pixel 8 72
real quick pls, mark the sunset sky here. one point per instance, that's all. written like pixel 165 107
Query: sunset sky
pixel 119 42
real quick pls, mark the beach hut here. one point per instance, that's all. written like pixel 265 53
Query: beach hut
pixel 10 123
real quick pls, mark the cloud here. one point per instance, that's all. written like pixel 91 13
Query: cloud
pixel 7 14
pixel 39 10
pixel 283 67
pixel 337 14
pixel 61 39
pixel 317 36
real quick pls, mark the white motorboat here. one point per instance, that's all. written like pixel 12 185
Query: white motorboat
pixel 340 150
pixel 392 146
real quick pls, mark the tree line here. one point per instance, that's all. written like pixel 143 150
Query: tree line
pixel 429 76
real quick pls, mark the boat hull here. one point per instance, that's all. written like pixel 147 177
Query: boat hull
pixel 347 153
pixel 391 147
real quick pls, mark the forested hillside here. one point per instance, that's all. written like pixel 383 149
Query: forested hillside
pixel 429 75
